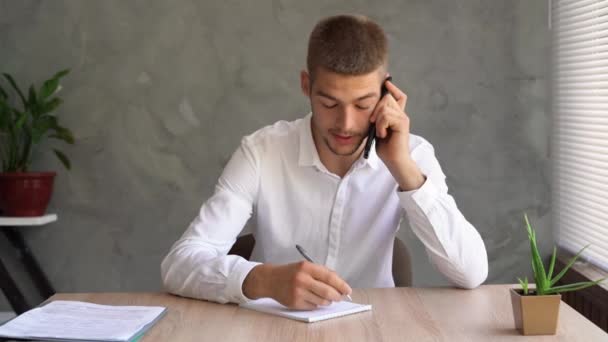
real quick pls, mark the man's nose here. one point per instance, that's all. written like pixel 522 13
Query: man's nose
pixel 345 120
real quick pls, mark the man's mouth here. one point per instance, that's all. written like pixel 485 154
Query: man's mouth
pixel 344 139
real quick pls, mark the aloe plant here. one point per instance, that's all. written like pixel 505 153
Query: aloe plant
pixel 545 281
pixel 23 128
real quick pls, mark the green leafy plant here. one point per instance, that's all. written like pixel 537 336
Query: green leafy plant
pixel 23 128
pixel 545 281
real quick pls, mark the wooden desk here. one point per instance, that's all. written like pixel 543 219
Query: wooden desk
pixel 399 314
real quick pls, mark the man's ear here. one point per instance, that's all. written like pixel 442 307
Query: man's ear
pixel 305 82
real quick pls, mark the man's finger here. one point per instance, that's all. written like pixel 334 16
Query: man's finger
pixel 325 291
pixel 303 305
pixel 390 119
pixel 313 298
pixel 379 106
pixel 381 127
pixel 332 279
pixel 397 94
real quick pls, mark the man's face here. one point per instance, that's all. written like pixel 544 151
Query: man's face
pixel 341 108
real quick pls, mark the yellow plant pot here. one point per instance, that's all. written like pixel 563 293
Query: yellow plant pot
pixel 535 315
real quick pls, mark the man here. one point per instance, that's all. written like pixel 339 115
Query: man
pixel 308 184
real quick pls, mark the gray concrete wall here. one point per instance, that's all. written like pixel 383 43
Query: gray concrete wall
pixel 161 92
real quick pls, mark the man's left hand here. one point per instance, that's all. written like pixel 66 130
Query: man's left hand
pixel 393 137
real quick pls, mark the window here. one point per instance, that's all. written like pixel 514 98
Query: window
pixel 580 126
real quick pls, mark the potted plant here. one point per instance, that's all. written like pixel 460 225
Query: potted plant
pixel 22 128
pixel 536 310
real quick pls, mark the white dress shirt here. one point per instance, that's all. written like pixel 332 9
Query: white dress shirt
pixel 348 224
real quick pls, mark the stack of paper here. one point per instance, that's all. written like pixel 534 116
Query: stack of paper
pixel 336 309
pixel 71 320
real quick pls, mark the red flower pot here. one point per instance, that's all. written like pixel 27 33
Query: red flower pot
pixel 25 193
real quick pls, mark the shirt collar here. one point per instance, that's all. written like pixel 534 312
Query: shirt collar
pixel 309 156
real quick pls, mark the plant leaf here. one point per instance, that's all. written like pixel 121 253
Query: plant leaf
pixel 524 285
pixel 12 82
pixel 33 104
pixel 574 286
pixel 64 160
pixel 24 161
pixel 64 134
pixel 20 119
pixel 49 87
pixel 577 284
pixel 3 94
pixel 540 276
pixel 51 105
pixel 32 96
pixel 570 263
pixel 61 73
pixel 552 264
pixel 41 126
pixel 5 115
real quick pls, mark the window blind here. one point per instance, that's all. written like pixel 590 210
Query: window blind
pixel 579 57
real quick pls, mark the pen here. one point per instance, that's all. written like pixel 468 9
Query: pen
pixel 305 255
pixel 371 133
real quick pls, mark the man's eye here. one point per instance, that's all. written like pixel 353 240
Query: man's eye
pixel 362 107
pixel 329 106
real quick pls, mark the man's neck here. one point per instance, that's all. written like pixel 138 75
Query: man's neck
pixel 336 164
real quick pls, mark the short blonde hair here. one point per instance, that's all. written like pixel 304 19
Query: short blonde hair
pixel 347 44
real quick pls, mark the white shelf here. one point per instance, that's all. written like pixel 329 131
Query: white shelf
pixel 27 221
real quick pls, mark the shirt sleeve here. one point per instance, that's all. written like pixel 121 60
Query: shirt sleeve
pixel 197 265
pixel 453 245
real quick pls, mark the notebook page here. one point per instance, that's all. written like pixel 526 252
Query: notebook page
pixel 336 309
pixel 81 321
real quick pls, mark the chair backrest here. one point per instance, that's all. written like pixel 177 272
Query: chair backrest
pixel 243 246
pixel 402 264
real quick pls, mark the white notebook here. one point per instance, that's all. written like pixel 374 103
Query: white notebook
pixel 336 309
pixel 71 320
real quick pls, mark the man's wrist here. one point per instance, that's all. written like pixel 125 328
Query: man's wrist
pixel 254 285
pixel 408 176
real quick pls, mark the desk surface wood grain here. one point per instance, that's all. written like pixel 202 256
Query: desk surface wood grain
pixel 399 314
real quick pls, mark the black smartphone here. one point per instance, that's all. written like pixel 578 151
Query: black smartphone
pixel 371 133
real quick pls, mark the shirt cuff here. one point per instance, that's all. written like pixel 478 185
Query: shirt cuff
pixel 423 197
pixel 235 281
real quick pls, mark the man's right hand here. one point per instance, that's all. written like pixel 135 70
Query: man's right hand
pixel 302 285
